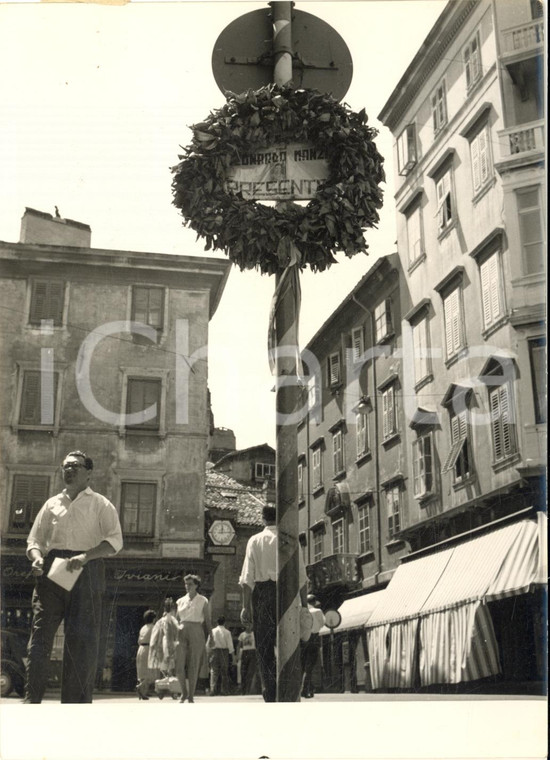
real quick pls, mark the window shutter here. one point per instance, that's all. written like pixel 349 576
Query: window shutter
pixel 486 292
pixel 452 323
pixel 417 467
pixel 483 156
pixel 28 495
pixel 334 369
pixel 47 301
pixel 29 413
pixel 357 342
pixel 476 169
pixel 494 403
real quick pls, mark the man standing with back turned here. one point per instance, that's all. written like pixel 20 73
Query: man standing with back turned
pixel 259 594
pixel 80 527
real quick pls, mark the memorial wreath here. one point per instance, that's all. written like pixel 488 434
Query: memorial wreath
pixel 251 233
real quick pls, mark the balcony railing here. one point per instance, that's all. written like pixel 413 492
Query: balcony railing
pixel 524 38
pixel 334 570
pixel 522 139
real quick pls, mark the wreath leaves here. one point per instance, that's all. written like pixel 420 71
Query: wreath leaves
pixel 345 205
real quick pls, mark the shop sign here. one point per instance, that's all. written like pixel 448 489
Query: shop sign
pixel 221 549
pixel 281 172
pixel 12 573
pixel 182 550
pixel 146 576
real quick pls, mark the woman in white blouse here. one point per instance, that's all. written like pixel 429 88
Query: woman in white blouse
pixel 194 617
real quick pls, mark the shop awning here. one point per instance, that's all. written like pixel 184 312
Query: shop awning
pixel 355 612
pixel 501 563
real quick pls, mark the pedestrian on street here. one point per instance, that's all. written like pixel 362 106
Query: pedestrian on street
pixel 310 648
pixel 259 597
pixel 246 657
pixel 164 638
pixel 80 527
pixel 146 676
pixel 220 647
pixel 194 617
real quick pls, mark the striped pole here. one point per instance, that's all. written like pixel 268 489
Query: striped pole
pixel 289 671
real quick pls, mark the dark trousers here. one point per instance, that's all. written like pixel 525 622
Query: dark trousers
pixel 248 671
pixel 80 609
pixel 264 607
pixel 310 655
pixel 219 671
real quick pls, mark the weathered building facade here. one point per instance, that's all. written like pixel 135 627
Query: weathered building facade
pixel 106 351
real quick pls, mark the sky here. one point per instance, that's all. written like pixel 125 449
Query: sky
pixel 96 102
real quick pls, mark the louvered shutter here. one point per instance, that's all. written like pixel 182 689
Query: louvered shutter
pixel 417 467
pixel 483 156
pixel 29 413
pixel 420 347
pixel 453 327
pixel 496 430
pixel 141 395
pixel 47 301
pixel 334 369
pixel 387 412
pixel 357 343
pixel 476 168
pixel 414 235
pixel 28 495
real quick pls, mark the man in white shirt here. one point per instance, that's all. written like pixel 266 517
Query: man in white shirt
pixel 258 581
pixel 310 648
pixel 79 526
pixel 220 646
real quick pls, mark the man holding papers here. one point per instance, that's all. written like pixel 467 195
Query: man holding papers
pixel 71 534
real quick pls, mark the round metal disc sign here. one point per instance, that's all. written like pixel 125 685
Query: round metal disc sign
pixel 243 55
pixel 332 619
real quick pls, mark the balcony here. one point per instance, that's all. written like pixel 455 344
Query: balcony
pixel 523 41
pixel 334 570
pixel 524 141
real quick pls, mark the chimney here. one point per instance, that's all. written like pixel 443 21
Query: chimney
pixel 45 229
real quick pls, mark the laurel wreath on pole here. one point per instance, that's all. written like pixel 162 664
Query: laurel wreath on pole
pixel 253 234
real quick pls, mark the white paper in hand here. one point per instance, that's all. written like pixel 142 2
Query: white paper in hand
pixel 60 575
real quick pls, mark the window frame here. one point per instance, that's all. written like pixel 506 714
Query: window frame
pixel 364 531
pixel 317 545
pixel 338 457
pixel 317 467
pixel 160 328
pixel 481 159
pixel 438 100
pixel 338 526
pixel 357 344
pixel 525 212
pixel 415 212
pixel 406 149
pixel 334 370
pixel 454 324
pixel 258 470
pixel 501 403
pixel 471 56
pixel 491 283
pixel 36 320
pixel 361 435
pixel 383 320
pixel 446 201
pixel 539 386
pixel 389 412
pixel 31 510
pixel 154 507
pixel 301 472
pixel 459 458
pixel 24 370
pixel 422 362
pixel 394 516
pixel 423 465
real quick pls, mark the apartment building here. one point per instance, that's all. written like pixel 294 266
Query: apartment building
pixel 106 351
pixel 469 169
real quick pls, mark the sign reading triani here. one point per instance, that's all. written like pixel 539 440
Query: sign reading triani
pixel 281 172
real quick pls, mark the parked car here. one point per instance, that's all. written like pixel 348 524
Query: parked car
pixel 14 654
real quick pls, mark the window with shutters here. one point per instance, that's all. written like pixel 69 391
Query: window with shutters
pixel 393 509
pixel 492 292
pixel 338 452
pixel 531 227
pixel 357 344
pixel 38 399
pixel 143 399
pixel 383 320
pixel 361 434
pixel 537 352
pixel 338 536
pixel 445 203
pixel 406 149
pixel 334 370
pixel 423 465
pixel 138 505
pixel 301 479
pixel 472 62
pixel 363 527
pixel 459 458
pixel 148 306
pixel 317 467
pixel 389 413
pixel 29 492
pixel 421 348
pixel 455 339
pixel 415 237
pixel 47 302
pixel 317 546
pixel 480 157
pixel 439 108
pixel 502 413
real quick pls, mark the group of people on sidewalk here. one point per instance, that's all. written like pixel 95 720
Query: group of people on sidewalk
pixel 71 535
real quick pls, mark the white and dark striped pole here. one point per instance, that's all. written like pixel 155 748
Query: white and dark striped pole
pixel 289 672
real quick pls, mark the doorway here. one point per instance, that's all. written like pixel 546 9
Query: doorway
pixel 128 622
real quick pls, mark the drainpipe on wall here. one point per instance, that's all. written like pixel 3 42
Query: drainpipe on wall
pixel 376 444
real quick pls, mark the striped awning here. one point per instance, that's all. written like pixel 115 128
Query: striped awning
pixel 501 563
pixel 355 612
